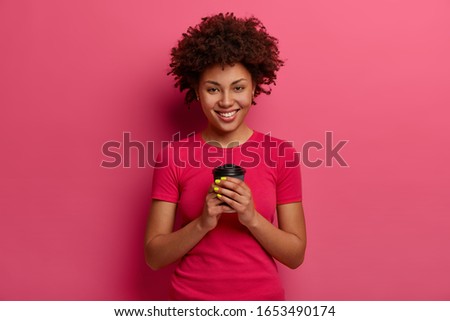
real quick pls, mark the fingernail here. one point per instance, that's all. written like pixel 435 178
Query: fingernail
pixel 216 189
pixel 219 196
pixel 217 181
pixel 223 178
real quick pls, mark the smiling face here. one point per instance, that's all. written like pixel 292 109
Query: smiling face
pixel 226 96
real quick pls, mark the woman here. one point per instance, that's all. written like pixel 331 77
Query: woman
pixel 223 63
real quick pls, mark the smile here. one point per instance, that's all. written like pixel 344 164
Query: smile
pixel 228 114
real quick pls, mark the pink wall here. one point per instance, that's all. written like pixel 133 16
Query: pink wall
pixel 74 76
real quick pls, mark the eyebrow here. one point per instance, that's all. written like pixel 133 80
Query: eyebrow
pixel 217 84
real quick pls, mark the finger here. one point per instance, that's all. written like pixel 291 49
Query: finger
pixel 211 188
pixel 212 191
pixel 216 201
pixel 233 180
pixel 230 179
pixel 219 209
pixel 232 203
pixel 242 198
pixel 228 194
pixel 210 195
pixel 213 207
pixel 235 185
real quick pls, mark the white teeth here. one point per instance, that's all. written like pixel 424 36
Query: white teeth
pixel 228 115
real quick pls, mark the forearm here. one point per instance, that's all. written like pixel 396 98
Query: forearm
pixel 165 249
pixel 285 247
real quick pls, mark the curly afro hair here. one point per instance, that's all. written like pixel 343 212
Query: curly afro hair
pixel 225 39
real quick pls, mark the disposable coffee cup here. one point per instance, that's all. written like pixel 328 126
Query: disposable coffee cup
pixel 229 170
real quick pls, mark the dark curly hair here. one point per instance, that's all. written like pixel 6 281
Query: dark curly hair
pixel 225 39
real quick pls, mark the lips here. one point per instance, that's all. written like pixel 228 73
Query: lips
pixel 227 116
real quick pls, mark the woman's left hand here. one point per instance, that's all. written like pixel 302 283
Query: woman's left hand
pixel 237 195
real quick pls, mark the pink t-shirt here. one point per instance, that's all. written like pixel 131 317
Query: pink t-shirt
pixel 228 263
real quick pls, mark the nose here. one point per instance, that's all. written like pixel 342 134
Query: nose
pixel 226 100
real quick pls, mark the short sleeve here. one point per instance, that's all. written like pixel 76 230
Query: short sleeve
pixel 165 177
pixel 289 185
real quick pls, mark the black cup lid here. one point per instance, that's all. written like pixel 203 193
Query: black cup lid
pixel 229 170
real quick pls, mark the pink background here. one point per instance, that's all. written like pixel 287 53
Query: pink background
pixel 77 74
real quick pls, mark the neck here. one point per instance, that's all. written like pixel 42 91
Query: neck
pixel 227 139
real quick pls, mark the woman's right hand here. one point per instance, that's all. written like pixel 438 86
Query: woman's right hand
pixel 211 210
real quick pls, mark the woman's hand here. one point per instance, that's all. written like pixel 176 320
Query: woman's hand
pixel 212 210
pixel 287 243
pixel 238 196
